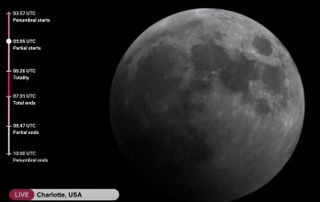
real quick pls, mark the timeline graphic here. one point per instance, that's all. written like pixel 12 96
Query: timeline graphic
pixel 24 96
pixel 28 41
pixel 9 84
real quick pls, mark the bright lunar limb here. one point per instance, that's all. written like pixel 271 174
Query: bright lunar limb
pixel 207 104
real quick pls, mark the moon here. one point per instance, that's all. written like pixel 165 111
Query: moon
pixel 207 104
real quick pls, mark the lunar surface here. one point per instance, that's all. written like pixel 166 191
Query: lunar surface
pixel 207 104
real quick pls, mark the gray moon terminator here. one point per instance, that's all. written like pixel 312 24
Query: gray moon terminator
pixel 207 104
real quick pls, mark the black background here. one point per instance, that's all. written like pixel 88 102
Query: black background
pixel 83 46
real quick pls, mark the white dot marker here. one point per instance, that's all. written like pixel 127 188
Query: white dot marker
pixel 9 41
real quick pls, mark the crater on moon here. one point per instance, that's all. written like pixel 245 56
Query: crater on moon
pixel 201 114
pixel 262 45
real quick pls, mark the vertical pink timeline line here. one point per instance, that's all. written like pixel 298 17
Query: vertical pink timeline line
pixel 9 111
pixel 9 81
pixel 9 67
pixel 9 28
pixel 9 37
pixel 9 57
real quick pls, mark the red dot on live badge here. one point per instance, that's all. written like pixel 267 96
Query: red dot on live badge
pixel 21 194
